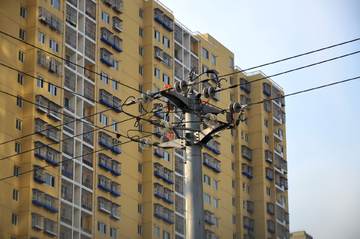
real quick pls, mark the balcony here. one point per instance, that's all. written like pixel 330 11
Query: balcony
pixel 211 162
pixel 50 227
pixel 88 135
pixel 158 170
pixel 107 36
pixel 158 210
pixel 104 183
pixel 86 200
pixel 67 190
pixel 86 225
pixel 66 214
pixel 38 198
pixel 268 156
pixel 56 24
pixel 70 79
pixel 42 104
pixel 282 232
pixel 117 24
pixel 179 185
pixel 105 98
pixel 37 221
pixel 280 215
pixel 90 49
pixel 178 70
pixel 248 236
pixel 168 23
pixel 278 115
pixel 215 146
pixel 67 168
pixel 40 150
pixel 106 57
pixel 266 89
pixel 104 205
pixel 267 105
pixel 71 16
pixel 245 101
pixel 180 205
pixel 269 173
pixel 90 9
pixel 248 223
pixel 194 63
pixel 118 6
pixel 73 2
pixel 70 39
pixel 53 133
pixel 271 226
pixel 40 126
pixel 287 218
pixel 168 176
pixel 115 211
pixel 167 60
pixel 90 29
pixel 108 2
pixel 168 196
pixel 68 146
pixel 116 168
pixel 117 103
pixel 178 34
pixel 55 111
pixel 44 16
pixel 280 182
pixel 158 52
pixel 247 170
pixel 105 161
pixel 51 203
pixel 115 189
pixel 159 152
pixel 168 215
pixel 209 234
pixel 246 152
pixel 118 44
pixel 53 156
pixel 245 85
pixel 158 190
pixel 55 66
pixel 179 165
pixel 105 140
pixel 280 164
pixel 250 206
pixel 209 217
pixel 69 123
pixel 89 91
pixel 65 232
pixel 39 174
pixel 270 208
pixel 87 178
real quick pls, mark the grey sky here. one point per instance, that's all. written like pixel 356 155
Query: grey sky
pixel 323 126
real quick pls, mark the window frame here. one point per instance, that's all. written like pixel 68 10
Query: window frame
pixel 101 227
pixel 213 59
pixel 215 184
pixel 42 38
pixel 166 41
pixel 156 72
pixel 157 35
pixel 156 231
pixel 114 125
pixel 141 32
pixel 104 119
pixel 205 53
pixel 16 195
pixel 141 51
pixel 53 45
pixel 53 89
pixel 215 203
pixel 16 171
pixel 51 179
pixel 141 13
pixel 140 188
pixel 207 196
pixel 115 64
pixel 104 78
pixel 19 101
pixel 115 85
pixel 140 229
pixel 14 219
pixel 17 147
pixel 140 168
pixel 18 124
pixel 166 79
pixel 22 12
pixel 166 156
pixel 112 232
pixel 105 17
pixel 207 180
pixel 40 82
pixel 140 208
pixel 21 56
pixel 141 70
pixel 20 79
pixel 22 34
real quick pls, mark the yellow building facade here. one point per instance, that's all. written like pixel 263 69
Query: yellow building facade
pixel 68 168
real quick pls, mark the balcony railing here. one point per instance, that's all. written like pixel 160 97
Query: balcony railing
pixel 105 140
pixel 55 111
pixel 90 49
pixel 116 168
pixel 158 53
pixel 267 105
pixel 246 152
pixel 87 178
pixel 90 9
pixel 88 135
pixel 158 170
pixel 68 145
pixel 104 205
pixel 115 211
pixel 106 36
pixel 268 156
pixel 70 39
pixel 179 205
pixel 209 217
pixel 42 104
pixel 56 24
pixel 70 79
pixel 51 203
pixel 168 215
pixel 168 196
pixel 118 6
pixel 270 208
pixel 178 71
pixel 69 123
pixel 178 34
pixel 266 89
pixel 65 232
pixel 90 29
pixel 163 19
pixel 179 165
pixel 179 184
pixel 248 223
pixel 106 57
pixel 269 173
pixel 115 189
pixel 50 227
pixel 71 16
pixel 271 226
pixel 194 63
pixel 168 176
pixel 168 61
pixel 67 168
pixel 44 16
pixel 250 206
pixel 211 162
pixel 67 190
pixel 158 190
pixel 278 115
pixel 38 197
pixel 40 126
pixel 53 133
pixel 105 161
pixel 37 221
pixel 247 170
pixel 40 150
pixel 86 200
pixel 104 183
pixel 117 24
pixel 280 164
pixel 66 214
pixel 214 145
pixel 118 44
pixel 209 234
pixel 280 181
pixel 245 85
pixel 39 174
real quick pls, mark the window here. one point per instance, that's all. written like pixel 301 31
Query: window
pixel 15 195
pixel 233 166
pixel 141 70
pixel 16 171
pixel 141 51
pixel 52 89
pixel 140 88
pixel 140 168
pixel 282 200
pixel 40 82
pixel 206 179
pixel 215 184
pixel 234 236
pixel 115 84
pixel 140 229
pixel 141 32
pixel 53 45
pixel 104 119
pixel 246 121
pixel 248 189
pixel 14 219
pixel 244 187
pixel 22 34
pixel 112 232
pixel 42 38
pixel 166 235
pixel 55 4
pixel 234 219
pixel 247 138
pixel 216 222
pixel 215 202
pixel 140 108
pixel 17 147
pixel 20 79
pixel 50 180
pixel 140 209
pixel 157 72
pixel 114 125
pixel 141 13
pixel 22 12
pixel 156 231
pixel 231 62
pixel 244 204
pixel 140 188
pixel 101 227
pixel 204 69
pixel 67 102
pixel 242 134
pixel 140 149
pixel 266 139
pixel 231 97
pixel 140 128
pixel 233 184
pixel 21 56
pixel 19 101
pixel 105 17
pixel 233 149
pixel 231 80
pixel 207 198
pixel 104 78
pixel 281 148
pixel 213 59
pixel 268 191
pixel 166 79
pixel 115 64
pixel 18 124
pixel 166 42
pixel 234 202
pixel 166 156
pixel 205 53
pixel 266 123
pixel 232 132
pixel 157 35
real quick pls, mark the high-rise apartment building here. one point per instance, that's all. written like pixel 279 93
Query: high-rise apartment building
pixel 68 168
pixel 300 235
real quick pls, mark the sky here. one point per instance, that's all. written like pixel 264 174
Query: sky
pixel 322 126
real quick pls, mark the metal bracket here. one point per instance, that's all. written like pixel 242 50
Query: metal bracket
pixel 174 144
